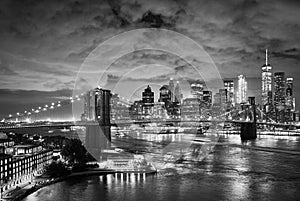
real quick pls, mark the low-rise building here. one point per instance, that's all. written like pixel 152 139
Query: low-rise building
pixel 21 164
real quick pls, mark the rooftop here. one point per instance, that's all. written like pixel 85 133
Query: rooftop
pixel 26 146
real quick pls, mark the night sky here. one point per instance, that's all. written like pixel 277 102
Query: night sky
pixel 43 43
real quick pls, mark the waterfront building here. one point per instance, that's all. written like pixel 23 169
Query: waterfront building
pixel 5 168
pixel 136 110
pixel 190 108
pixel 22 164
pixel 5 145
pixel 174 110
pixel 159 110
pixel 242 90
pixel 119 110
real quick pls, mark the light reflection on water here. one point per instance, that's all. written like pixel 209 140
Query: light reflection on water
pixel 228 173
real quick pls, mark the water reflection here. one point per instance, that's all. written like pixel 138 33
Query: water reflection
pixel 228 173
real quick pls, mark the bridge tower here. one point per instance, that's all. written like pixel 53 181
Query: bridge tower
pixel 98 134
pixel 249 129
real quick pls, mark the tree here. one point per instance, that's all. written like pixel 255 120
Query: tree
pixel 74 151
pixel 56 169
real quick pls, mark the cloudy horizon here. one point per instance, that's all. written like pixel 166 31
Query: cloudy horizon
pixel 44 43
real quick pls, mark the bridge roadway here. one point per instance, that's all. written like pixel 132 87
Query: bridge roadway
pixel 126 122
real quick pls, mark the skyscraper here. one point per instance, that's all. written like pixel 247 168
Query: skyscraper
pixel 279 89
pixel 279 96
pixel 266 83
pixel 172 89
pixel 178 94
pixel 229 86
pixel 207 98
pixel 197 88
pixel 148 101
pixel 289 86
pixel 242 90
pixel 290 100
pixel 165 94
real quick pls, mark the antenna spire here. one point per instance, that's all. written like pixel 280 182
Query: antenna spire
pixel 266 57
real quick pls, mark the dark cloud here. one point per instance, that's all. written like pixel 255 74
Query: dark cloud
pixel 43 43
pixel 5 68
pixel 292 53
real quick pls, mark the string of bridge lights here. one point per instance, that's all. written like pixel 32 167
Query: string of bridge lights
pixel 44 108
pixel 52 106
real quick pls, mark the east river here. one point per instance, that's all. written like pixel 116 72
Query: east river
pixel 227 173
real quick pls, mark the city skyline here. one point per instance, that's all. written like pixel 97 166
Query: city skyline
pixel 149 100
pixel 40 56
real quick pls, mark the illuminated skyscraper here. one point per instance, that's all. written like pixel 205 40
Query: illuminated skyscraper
pixel 165 94
pixel 289 86
pixel 229 86
pixel 290 100
pixel 178 94
pixel 279 89
pixel 279 96
pixel 266 83
pixel 242 90
pixel 172 89
pixel 207 98
pixel 148 101
pixel 197 88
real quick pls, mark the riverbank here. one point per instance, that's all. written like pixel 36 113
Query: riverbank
pixel 35 187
